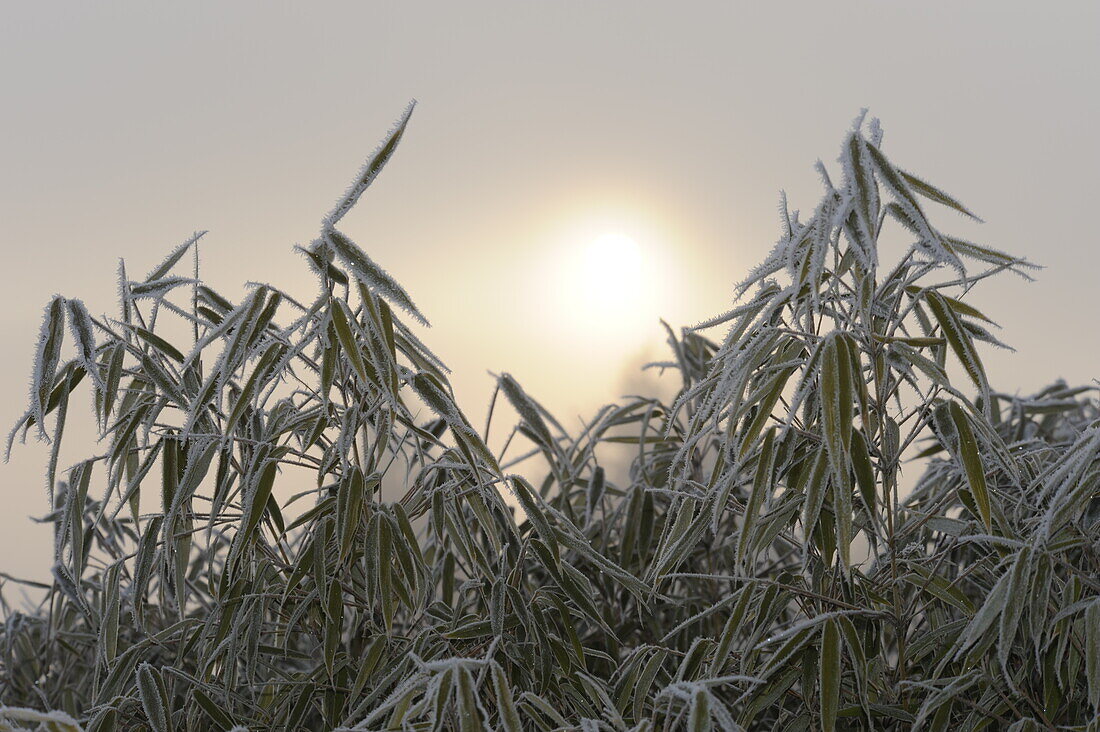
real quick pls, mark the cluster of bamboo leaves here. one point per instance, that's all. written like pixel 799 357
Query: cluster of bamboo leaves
pixel 291 524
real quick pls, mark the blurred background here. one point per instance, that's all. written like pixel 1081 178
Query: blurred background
pixel 574 171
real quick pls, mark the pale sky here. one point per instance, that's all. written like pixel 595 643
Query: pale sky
pixel 540 128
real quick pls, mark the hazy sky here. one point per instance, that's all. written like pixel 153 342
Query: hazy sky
pixel 540 127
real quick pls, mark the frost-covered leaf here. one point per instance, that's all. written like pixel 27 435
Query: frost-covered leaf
pixel 47 356
pixel 370 274
pixel 371 169
pixel 829 674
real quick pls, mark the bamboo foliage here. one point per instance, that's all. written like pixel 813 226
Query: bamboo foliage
pixel 292 525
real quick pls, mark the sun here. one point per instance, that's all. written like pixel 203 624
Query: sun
pixel 609 284
pixel 612 271
pixel 605 285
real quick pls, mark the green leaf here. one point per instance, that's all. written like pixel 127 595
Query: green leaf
pixel 958 338
pixel 1092 653
pixel 934 194
pixel 173 258
pixel 816 487
pixel 761 487
pixel 143 566
pixel 108 628
pixel 645 680
pixel 527 501
pixel 158 344
pixel 972 463
pixel 442 403
pixel 509 717
pixel 987 615
pixel 371 169
pixel 829 674
pixel 80 322
pixel 340 321
pixel 46 359
pixel 257 502
pixel 528 410
pixel 212 709
pixel 469 718
pixel 357 261
pixel 699 712
pixel 154 698
pixel 836 402
pixel 863 469
pixel 1018 583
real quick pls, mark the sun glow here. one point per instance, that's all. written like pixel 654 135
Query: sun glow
pixel 605 286
pixel 612 271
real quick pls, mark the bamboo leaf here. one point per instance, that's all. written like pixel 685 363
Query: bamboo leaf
pixel 972 463
pixel 360 265
pixel 836 400
pixel 48 354
pixel 829 670
pixel 257 502
pixel 958 338
pixel 1092 653
pixel 371 169
pixel 934 194
pixel 154 700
